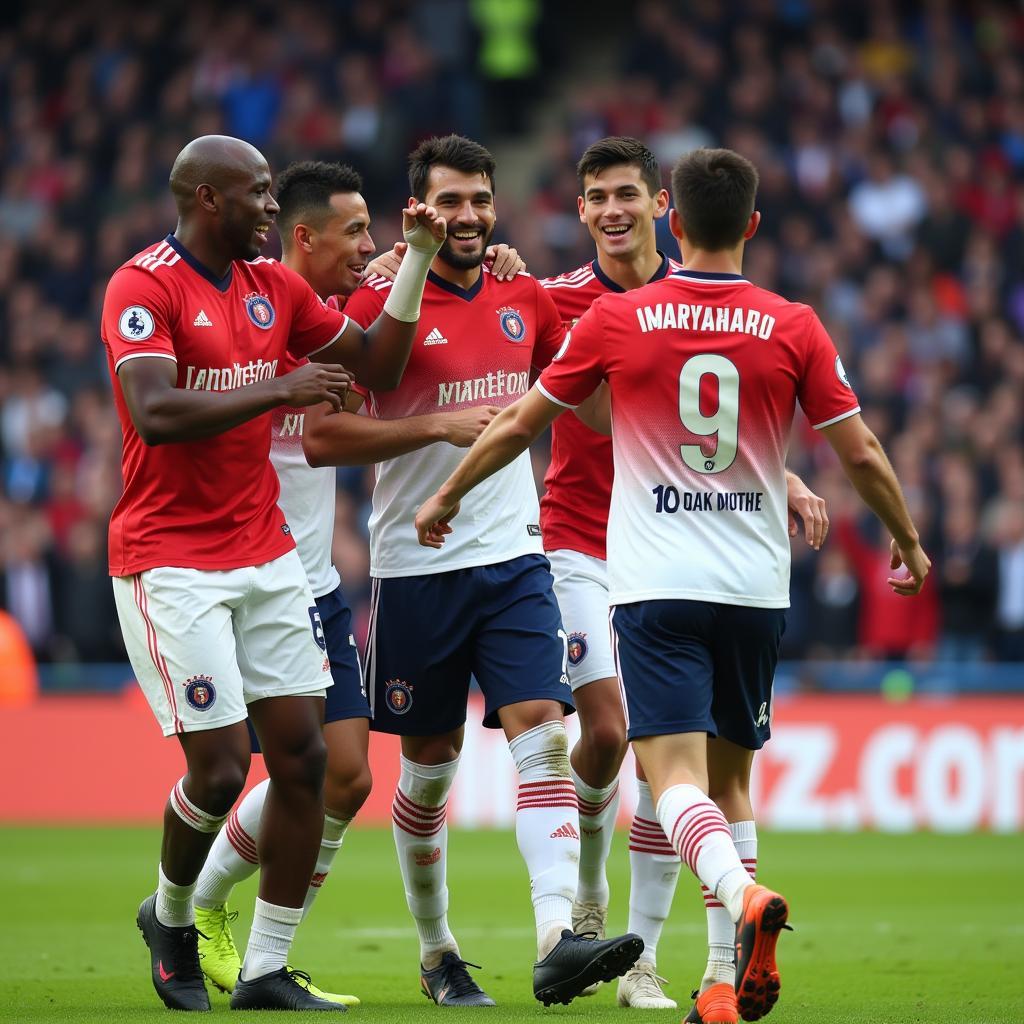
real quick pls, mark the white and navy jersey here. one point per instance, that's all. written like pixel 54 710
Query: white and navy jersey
pixel 473 347
pixel 704 371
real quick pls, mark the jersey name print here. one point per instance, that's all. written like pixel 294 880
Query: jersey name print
pixel 211 503
pixel 495 334
pixel 702 416
pixel 578 482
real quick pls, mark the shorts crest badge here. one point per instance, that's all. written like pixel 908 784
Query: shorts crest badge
pixel 512 325
pixel 577 647
pixel 260 311
pixel 398 696
pixel 200 693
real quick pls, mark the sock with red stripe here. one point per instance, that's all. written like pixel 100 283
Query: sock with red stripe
pixel 547 827
pixel 700 834
pixel 330 844
pixel 599 806
pixel 233 858
pixel 721 930
pixel 653 873
pixel 420 826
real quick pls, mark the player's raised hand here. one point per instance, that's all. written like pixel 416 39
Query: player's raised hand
pixel 387 263
pixel 423 227
pixel 504 261
pixel 317 382
pixel 462 428
pixel 917 563
pixel 433 519
pixel 805 506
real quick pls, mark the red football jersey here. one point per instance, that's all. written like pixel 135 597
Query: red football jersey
pixel 704 371
pixel 209 504
pixel 578 482
pixel 476 346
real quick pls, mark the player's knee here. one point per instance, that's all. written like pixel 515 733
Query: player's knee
pixel 606 738
pixel 345 792
pixel 727 791
pixel 216 788
pixel 302 766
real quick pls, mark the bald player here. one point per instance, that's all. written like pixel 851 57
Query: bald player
pixel 216 611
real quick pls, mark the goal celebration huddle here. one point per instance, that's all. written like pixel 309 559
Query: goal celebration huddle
pixel 645 592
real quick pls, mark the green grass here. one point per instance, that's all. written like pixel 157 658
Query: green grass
pixel 888 929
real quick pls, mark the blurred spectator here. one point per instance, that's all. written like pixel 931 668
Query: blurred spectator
pixel 1010 602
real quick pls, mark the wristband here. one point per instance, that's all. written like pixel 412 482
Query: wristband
pixel 403 301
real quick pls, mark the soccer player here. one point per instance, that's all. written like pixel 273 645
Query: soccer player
pixel 325 237
pixel 215 608
pixel 484 607
pixel 704 371
pixel 621 197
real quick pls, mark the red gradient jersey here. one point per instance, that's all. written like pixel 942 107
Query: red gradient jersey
pixel 705 371
pixel 578 482
pixel 209 504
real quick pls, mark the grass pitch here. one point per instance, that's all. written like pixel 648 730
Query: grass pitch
pixel 888 929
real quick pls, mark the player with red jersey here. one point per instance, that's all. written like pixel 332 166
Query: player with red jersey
pixel 704 371
pixel 217 614
pixel 621 197
pixel 484 607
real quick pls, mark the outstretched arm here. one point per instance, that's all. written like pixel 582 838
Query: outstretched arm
pixel 511 432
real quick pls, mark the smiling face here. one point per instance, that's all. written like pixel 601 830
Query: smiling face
pixel 620 211
pixel 248 210
pixel 340 246
pixel 466 201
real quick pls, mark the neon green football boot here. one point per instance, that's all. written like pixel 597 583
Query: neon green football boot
pixel 303 979
pixel 217 954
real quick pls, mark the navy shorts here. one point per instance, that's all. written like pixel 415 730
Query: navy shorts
pixel 695 666
pixel 430 634
pixel 347 697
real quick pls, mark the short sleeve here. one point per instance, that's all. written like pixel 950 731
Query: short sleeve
pixel 824 390
pixel 366 303
pixel 136 318
pixel 314 324
pixel 550 329
pixel 576 369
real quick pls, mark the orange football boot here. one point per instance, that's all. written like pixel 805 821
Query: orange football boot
pixel 717 1005
pixel 757 931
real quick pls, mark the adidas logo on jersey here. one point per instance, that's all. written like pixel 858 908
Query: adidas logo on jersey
pixel 435 337
pixel 566 831
pixel 202 320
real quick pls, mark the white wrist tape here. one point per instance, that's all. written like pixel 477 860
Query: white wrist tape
pixel 403 301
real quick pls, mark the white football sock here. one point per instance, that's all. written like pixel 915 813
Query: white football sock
pixel 330 844
pixel 233 858
pixel 173 902
pixel 700 834
pixel 419 814
pixel 721 929
pixel 653 872
pixel 599 806
pixel 548 827
pixel 270 938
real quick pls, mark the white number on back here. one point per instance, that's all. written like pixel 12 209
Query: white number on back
pixel 724 422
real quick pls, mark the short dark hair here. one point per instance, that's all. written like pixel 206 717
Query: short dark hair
pixel 304 192
pixel 455 151
pixel 615 151
pixel 714 192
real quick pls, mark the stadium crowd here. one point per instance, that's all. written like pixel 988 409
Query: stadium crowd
pixel 890 142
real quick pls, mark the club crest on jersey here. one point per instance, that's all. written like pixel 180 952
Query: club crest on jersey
pixel 260 311
pixel 200 692
pixel 398 696
pixel 577 645
pixel 136 323
pixel 512 325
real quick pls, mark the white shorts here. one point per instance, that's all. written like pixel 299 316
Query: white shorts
pixel 581 587
pixel 204 644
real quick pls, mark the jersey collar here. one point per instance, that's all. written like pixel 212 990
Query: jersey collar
pixel 466 294
pixel 661 272
pixel 704 275
pixel 220 283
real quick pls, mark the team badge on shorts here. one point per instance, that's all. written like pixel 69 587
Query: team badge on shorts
pixel 398 696
pixel 136 323
pixel 512 325
pixel 260 311
pixel 200 693
pixel 577 647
